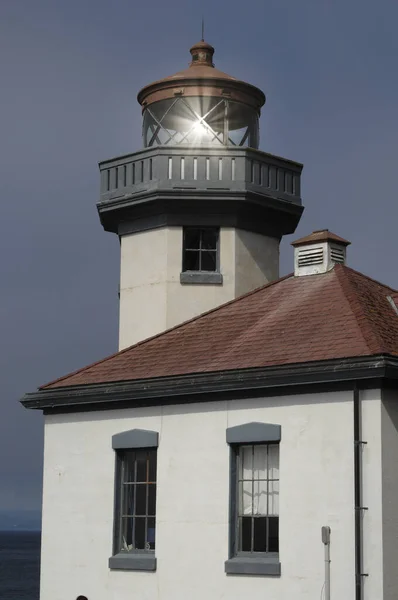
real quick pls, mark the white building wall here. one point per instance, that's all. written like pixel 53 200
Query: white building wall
pixel 389 428
pixel 152 299
pixel 316 489
pixel 372 518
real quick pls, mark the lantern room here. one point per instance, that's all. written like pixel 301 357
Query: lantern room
pixel 201 106
pixel 200 210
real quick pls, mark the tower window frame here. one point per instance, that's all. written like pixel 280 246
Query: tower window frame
pixel 201 255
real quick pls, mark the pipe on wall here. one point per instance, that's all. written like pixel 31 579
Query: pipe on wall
pixel 358 494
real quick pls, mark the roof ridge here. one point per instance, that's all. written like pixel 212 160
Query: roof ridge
pixel 371 338
pixel 162 333
pixel 370 279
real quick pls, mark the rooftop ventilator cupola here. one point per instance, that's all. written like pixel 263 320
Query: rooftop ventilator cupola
pixel 319 252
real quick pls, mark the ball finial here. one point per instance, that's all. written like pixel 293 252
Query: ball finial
pixel 202 54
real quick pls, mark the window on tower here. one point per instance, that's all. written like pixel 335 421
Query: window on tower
pixel 200 249
pixel 201 255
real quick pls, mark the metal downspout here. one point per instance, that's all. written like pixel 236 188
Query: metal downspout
pixel 358 443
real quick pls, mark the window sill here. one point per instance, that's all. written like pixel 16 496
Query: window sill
pixel 243 565
pixel 203 277
pixel 133 562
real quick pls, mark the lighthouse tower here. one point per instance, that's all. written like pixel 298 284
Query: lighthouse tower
pixel 200 210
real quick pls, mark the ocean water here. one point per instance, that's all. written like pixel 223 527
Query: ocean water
pixel 19 565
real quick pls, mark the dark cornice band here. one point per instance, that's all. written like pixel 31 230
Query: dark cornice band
pixel 207 387
pixel 270 216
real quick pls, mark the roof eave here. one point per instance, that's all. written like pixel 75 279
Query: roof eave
pixel 201 387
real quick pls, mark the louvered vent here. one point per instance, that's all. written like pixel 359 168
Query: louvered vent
pixel 310 256
pixel 318 253
pixel 337 254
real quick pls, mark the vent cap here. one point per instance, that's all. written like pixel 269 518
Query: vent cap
pixel 318 252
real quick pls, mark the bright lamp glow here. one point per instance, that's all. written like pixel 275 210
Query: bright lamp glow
pixel 200 130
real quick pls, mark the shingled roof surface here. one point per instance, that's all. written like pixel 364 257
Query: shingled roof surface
pixel 338 314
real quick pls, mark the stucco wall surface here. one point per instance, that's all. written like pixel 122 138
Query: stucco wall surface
pixel 389 425
pixel 372 517
pixel 316 489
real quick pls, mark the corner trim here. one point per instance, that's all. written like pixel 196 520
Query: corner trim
pixel 253 432
pixel 201 277
pixel 253 566
pixel 135 438
pixel 133 562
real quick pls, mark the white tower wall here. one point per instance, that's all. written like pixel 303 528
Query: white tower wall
pixel 152 299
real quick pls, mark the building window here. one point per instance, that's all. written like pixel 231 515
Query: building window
pixel 257 505
pixel 200 255
pixel 254 500
pixel 200 249
pixel 135 500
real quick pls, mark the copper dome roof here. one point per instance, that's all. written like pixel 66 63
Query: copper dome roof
pixel 202 79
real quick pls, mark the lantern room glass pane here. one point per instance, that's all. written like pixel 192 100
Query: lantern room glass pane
pixel 200 120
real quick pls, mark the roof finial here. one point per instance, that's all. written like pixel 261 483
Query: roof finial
pixel 203 29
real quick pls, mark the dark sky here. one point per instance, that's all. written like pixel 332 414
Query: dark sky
pixel 70 71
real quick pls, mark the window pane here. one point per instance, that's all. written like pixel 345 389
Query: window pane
pixel 260 534
pixel 273 498
pixel 260 462
pixel 128 467
pixel 141 458
pixel 209 239
pixel 273 534
pixel 152 466
pixel 151 533
pixel 191 260
pixel 126 542
pixel 192 239
pixel 245 498
pixel 139 523
pixel 273 461
pixel 208 260
pixel 151 499
pixel 140 500
pixel 246 454
pixel 245 534
pixel 127 500
pixel 260 498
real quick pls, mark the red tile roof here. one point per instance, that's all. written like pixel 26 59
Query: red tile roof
pixel 338 314
pixel 321 235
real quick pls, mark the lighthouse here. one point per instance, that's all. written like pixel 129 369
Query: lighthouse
pixel 199 210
